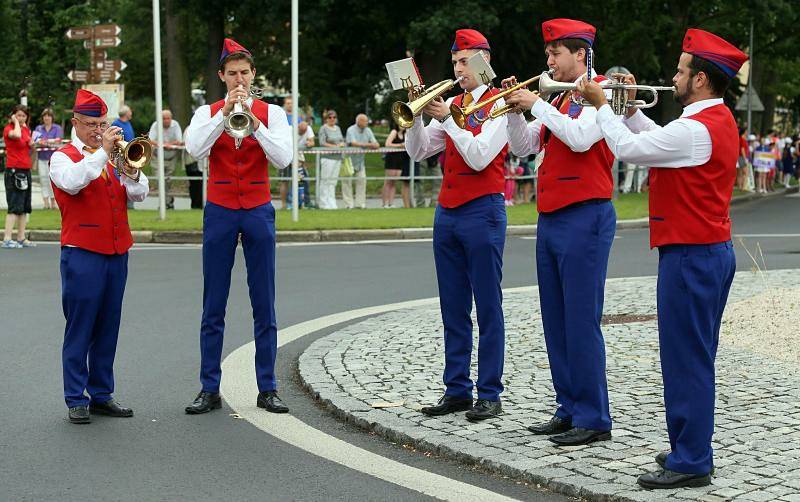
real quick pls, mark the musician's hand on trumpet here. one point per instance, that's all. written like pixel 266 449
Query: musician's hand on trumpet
pixel 110 137
pixel 437 109
pixel 507 84
pixel 239 96
pixel 592 92
pixel 521 99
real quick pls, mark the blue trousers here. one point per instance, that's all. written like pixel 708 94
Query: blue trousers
pixel 221 230
pixel 92 286
pixel 468 246
pixel 693 285
pixel 572 248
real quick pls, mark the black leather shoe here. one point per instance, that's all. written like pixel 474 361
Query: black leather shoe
pixel 578 436
pixel 80 415
pixel 556 425
pixel 665 478
pixel 447 404
pixel 484 409
pixel 661 460
pixel 110 408
pixel 270 401
pixel 204 402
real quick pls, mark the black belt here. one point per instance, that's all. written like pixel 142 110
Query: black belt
pixel 584 203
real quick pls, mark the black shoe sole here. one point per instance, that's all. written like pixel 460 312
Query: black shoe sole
pixel 686 483
pixel 601 437
pixel 196 411
pixel 481 418
pixel 109 414
pixel 80 421
pixel 456 409
pixel 272 410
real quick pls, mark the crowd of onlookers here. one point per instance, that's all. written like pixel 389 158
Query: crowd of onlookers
pixel 767 160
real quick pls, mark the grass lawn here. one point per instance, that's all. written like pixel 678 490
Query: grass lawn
pixel 628 206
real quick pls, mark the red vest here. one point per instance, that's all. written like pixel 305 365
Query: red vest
pixel 239 178
pixel 689 205
pixel 566 177
pixel 461 183
pixel 96 218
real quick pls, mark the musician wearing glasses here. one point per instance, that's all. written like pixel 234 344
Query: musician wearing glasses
pixel 95 239
pixel 239 153
pixel 468 235
pixel 575 230
pixel 693 171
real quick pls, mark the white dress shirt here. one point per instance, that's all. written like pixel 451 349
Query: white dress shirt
pixel 72 177
pixel 578 134
pixel 681 143
pixel 477 151
pixel 275 139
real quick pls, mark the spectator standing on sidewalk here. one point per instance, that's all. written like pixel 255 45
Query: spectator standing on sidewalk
pixel 17 178
pixel 330 136
pixel 47 135
pixel 123 121
pixel 359 135
pixel 173 143
pixel 393 164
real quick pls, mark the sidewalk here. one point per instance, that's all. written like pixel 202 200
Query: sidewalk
pixel 397 358
pixel 196 237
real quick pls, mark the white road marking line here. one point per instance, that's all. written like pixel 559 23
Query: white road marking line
pixel 776 236
pixel 239 390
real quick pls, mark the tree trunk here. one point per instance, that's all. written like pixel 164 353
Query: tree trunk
pixel 178 85
pixel 215 90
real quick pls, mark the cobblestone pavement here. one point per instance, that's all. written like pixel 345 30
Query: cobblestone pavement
pixel 398 357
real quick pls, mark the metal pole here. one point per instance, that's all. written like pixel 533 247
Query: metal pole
pixel 162 199
pixel 412 200
pixel 295 110
pixel 317 167
pixel 750 83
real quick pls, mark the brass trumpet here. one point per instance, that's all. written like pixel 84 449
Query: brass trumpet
pixel 460 114
pixel 404 113
pixel 129 157
pixel 239 123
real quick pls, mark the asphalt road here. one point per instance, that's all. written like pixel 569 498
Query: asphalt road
pixel 163 454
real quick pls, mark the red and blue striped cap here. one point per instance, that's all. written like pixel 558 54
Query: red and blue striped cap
pixel 89 104
pixel 231 46
pixel 714 49
pixel 469 39
pixel 560 29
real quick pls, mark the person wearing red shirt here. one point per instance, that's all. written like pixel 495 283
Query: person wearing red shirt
pixel 693 171
pixel 17 137
pixel 238 206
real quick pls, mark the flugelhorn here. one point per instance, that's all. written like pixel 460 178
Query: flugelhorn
pixel 460 114
pixel 239 123
pixel 619 93
pixel 129 157
pixel 404 113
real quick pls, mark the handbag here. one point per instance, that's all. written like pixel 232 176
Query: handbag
pixel 347 167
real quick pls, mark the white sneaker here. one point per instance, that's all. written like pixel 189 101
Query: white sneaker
pixel 11 244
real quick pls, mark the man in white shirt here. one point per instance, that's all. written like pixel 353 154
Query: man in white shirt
pixel 238 204
pixel 95 238
pixel 693 171
pixel 573 237
pixel 468 235
pixel 173 141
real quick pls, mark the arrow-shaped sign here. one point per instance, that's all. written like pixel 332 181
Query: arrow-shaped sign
pixel 106 42
pixel 79 33
pixel 78 75
pixel 107 30
pixel 106 76
pixel 114 64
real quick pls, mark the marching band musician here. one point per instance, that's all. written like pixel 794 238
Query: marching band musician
pixel 693 171
pixel 238 205
pixel 95 239
pixel 574 234
pixel 468 235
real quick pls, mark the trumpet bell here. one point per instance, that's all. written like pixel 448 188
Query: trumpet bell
pixel 404 113
pixel 239 123
pixel 136 153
